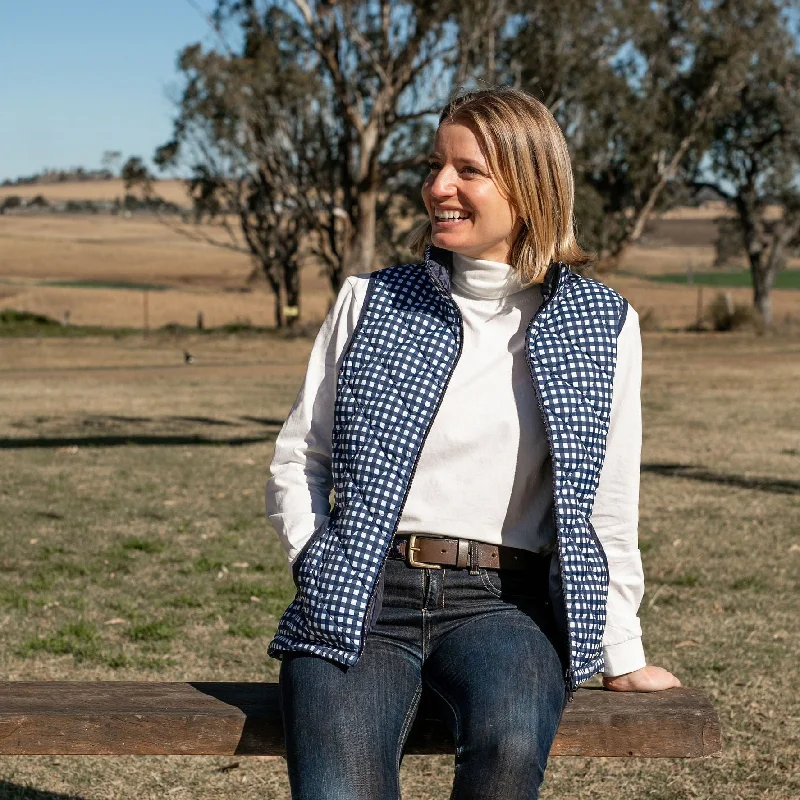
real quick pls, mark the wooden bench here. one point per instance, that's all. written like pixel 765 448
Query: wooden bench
pixel 132 718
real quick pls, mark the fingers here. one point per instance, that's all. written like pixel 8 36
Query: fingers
pixel 647 679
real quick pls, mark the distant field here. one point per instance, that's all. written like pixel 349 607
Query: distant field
pixel 95 266
pixel 788 279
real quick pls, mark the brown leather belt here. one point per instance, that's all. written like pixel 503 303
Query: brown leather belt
pixel 435 552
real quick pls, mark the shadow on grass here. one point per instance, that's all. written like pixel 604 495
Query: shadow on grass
pixel 13 791
pixel 142 438
pixel 772 485
pixel 46 442
pixel 145 439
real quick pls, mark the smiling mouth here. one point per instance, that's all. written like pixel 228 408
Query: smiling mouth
pixel 451 216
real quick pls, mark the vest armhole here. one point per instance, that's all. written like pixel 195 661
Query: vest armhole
pixel 359 325
pixel 622 317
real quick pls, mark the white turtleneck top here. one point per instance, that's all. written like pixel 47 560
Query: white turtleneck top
pixel 484 472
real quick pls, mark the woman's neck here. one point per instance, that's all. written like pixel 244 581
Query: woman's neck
pixel 487 280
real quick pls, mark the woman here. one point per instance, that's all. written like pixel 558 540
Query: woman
pixel 478 418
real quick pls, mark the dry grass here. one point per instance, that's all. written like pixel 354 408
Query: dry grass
pixel 129 480
pixel 133 541
pixel 105 247
pixel 40 249
pixel 36 250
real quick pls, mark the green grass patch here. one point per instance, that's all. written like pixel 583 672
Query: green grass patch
pixel 142 545
pixel 19 324
pixel 25 319
pixel 159 630
pixel 68 569
pixel 204 565
pixel 247 631
pixel 242 591
pixel 14 598
pixel 41 581
pixel 688 579
pixel 752 583
pixel 45 551
pixel 133 286
pixel 184 601
pixel 78 639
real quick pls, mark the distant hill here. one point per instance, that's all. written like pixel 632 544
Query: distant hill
pixel 60 176
pixel 172 191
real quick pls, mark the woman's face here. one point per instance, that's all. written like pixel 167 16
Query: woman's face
pixel 468 214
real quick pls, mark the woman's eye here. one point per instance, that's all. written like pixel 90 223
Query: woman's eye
pixel 432 165
pixel 472 170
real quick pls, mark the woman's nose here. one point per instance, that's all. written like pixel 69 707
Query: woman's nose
pixel 443 184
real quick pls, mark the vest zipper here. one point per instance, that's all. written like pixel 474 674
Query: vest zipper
pixel 568 674
pixel 443 291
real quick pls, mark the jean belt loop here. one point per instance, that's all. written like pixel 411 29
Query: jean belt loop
pixel 473 557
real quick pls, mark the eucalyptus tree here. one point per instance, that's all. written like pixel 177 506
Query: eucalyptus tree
pixel 386 66
pixel 636 86
pixel 244 118
pixel 754 159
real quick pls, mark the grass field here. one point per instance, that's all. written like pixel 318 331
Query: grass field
pixel 135 547
pixel 131 499
pixel 788 279
pixel 95 267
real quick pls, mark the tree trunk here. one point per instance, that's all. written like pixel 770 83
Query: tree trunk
pixel 362 249
pixel 761 298
pixel 291 285
pixel 755 242
pixel 280 322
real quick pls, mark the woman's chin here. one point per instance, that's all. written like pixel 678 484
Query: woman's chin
pixel 448 241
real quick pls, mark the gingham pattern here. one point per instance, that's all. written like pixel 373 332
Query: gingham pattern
pixel 572 353
pixel 389 388
pixel 390 384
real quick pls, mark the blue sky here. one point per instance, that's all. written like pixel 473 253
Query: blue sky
pixel 78 77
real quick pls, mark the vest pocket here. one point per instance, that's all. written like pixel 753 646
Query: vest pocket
pixel 332 594
pixel 301 556
pixel 599 545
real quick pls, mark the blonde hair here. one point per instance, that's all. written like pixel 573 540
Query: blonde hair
pixel 530 164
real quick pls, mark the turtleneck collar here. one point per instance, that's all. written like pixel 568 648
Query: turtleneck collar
pixel 484 280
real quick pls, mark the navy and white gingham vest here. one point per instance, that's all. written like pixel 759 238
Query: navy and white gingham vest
pixel 390 386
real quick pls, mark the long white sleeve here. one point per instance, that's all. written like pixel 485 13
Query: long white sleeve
pixel 297 495
pixel 615 517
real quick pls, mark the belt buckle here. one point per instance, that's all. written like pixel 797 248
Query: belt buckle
pixel 412 548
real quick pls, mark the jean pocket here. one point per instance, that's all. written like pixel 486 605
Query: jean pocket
pixel 515 584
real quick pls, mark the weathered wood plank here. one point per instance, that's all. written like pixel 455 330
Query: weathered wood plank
pixel 128 718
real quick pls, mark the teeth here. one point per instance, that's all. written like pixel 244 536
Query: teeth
pixel 451 215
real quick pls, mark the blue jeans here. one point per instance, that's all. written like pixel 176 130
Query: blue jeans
pixel 485 645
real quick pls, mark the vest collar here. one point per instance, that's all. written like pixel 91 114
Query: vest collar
pixel 439 264
pixel 554 279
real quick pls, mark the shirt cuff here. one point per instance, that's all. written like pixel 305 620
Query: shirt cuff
pixel 623 657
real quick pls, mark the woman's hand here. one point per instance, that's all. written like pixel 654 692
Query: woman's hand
pixel 646 679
